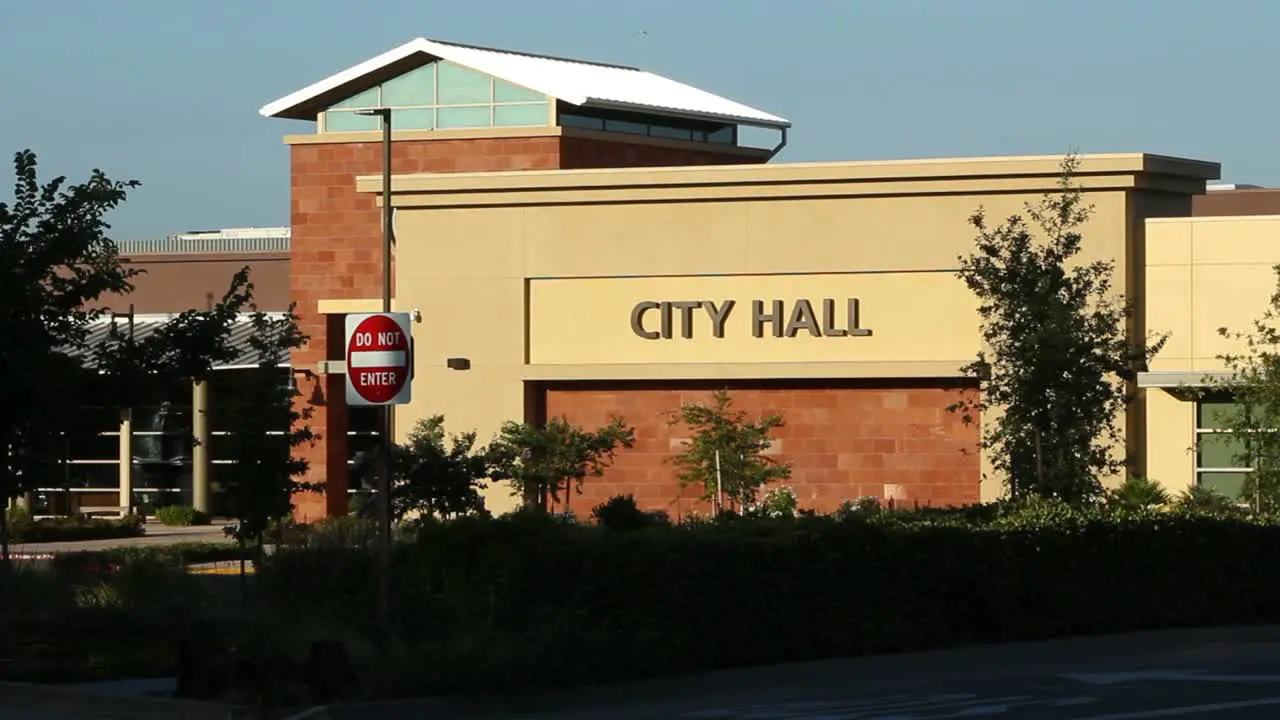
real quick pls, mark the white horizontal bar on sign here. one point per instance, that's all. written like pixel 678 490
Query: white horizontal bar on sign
pixel 377 358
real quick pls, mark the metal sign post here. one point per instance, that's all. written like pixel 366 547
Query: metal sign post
pixel 379 354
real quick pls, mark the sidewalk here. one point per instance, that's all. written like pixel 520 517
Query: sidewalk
pixel 156 534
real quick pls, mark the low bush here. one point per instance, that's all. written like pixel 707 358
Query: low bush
pixel 181 516
pixel 177 555
pixel 25 529
pixel 520 600
pixel 622 513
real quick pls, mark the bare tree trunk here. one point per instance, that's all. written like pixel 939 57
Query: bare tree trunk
pixel 1039 465
pixel 4 534
pixel 244 579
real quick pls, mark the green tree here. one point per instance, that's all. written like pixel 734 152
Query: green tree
pixel 543 461
pixel 1253 420
pixel 725 456
pixel 56 260
pixel 435 478
pixel 269 428
pixel 1059 357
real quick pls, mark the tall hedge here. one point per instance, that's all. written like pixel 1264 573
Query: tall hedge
pixel 513 602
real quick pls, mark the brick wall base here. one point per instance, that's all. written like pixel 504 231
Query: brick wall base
pixel 844 440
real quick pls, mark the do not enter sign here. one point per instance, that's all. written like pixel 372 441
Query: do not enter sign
pixel 379 357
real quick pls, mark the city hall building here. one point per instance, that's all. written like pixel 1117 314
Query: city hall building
pixel 583 240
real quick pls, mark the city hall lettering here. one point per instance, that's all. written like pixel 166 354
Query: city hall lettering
pixel 665 319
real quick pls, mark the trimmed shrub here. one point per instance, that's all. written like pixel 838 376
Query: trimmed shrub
pixel 520 601
pixel 24 529
pixel 172 556
pixel 181 516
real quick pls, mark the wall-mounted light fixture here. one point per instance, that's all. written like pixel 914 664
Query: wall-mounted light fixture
pixel 458 363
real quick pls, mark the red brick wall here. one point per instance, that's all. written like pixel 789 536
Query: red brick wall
pixel 844 440
pixel 336 253
pixel 583 153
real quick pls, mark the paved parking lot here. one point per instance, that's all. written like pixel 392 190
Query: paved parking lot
pixel 1232 674
pixel 1227 673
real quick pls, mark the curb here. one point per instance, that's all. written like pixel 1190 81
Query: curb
pixel 105 706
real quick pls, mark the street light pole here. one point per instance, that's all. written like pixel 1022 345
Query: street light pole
pixel 388 411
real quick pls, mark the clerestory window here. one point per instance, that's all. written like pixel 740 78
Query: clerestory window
pixel 440 96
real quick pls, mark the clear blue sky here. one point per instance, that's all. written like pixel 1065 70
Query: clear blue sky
pixel 167 91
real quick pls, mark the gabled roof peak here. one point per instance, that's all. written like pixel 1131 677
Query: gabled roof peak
pixel 576 82
pixel 540 56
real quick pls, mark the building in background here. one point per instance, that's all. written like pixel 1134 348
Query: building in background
pixel 150 455
pixel 595 239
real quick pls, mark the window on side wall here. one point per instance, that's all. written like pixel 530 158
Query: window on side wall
pixel 1221 465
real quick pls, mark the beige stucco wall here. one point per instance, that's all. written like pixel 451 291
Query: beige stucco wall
pixel 1202 274
pixel 533 275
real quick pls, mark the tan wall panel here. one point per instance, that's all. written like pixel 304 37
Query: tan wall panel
pixel 1168 242
pixel 640 239
pixel 1172 315
pixel 459 243
pixel 1224 279
pixel 801 235
pixel 1247 240
pixel 1226 296
pixel 912 317
pixel 1170 439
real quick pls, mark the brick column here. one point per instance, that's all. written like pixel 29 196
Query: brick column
pixel 336 254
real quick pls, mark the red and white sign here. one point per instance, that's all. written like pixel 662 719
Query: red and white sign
pixel 379 359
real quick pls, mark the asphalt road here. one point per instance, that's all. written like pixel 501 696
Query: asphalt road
pixel 1232 674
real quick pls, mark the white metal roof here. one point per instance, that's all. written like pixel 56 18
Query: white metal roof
pixel 572 81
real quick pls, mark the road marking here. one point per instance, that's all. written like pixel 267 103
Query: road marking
pixel 1168 676
pixel 896 707
pixel 1186 710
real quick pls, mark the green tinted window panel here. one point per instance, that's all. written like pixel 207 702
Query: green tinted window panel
pixel 504 91
pixel 457 85
pixel 1215 415
pixel 724 135
pixel 581 121
pixel 520 115
pixel 1221 450
pixel 463 117
pixel 416 87
pixel 414 119
pixel 625 126
pixel 671 133
pixel 1223 483
pixel 349 121
pixel 366 99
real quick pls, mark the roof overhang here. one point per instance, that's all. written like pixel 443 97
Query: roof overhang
pixel 1183 378
pixel 306 103
pixel 1184 384
pixel 676 113
pixel 239 339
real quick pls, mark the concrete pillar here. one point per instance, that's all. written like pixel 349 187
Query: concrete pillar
pixel 126 459
pixel 200 449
